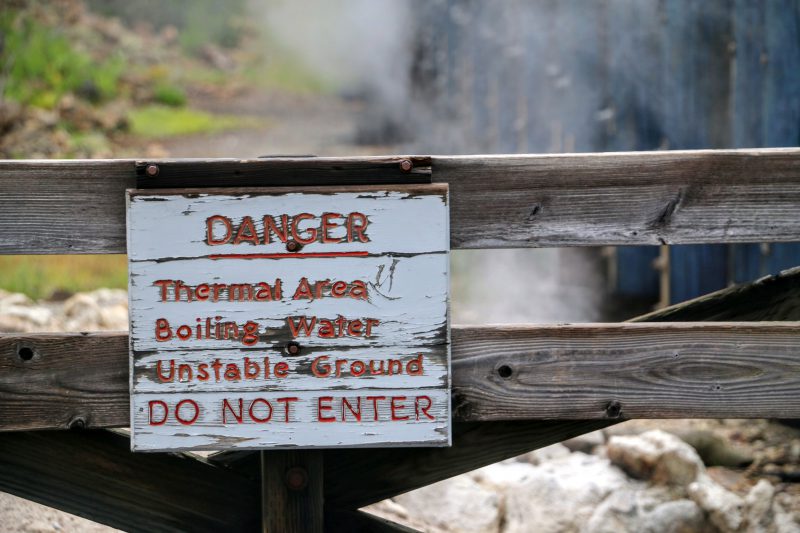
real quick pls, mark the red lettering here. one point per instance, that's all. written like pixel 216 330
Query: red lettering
pixel 163 331
pixel 238 417
pixel 281 369
pixel 396 407
pixel 312 232
pixel 187 421
pixel 163 406
pixel 418 408
pixel 270 227
pixel 356 226
pixel 287 402
pixel 210 239
pixel 252 414
pixel 246 232
pixel 327 225
pixel 326 407
pixel 164 284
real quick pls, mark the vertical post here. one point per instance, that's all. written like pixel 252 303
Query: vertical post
pixel 291 491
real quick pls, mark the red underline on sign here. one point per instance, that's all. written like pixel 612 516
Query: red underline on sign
pixel 289 255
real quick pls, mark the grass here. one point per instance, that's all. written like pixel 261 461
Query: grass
pixel 159 121
pixel 39 276
pixel 41 65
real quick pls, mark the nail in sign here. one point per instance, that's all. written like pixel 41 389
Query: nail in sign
pixel 268 318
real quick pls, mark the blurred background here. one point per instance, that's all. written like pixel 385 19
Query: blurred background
pixel 247 78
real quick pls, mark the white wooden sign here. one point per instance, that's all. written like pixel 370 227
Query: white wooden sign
pixel 268 318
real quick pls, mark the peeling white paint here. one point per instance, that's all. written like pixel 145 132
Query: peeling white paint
pixel 404 267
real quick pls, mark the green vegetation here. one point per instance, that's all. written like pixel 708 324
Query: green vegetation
pixel 39 277
pixel 42 65
pixel 167 94
pixel 199 22
pixel 158 121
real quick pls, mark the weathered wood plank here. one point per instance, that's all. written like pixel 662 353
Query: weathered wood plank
pixel 663 370
pixel 595 371
pixel 63 380
pixel 64 206
pixel 283 171
pixel 94 475
pixel 775 297
pixel 361 522
pixel 674 197
pixel 291 491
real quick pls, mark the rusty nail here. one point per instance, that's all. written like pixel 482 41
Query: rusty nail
pixel 296 478
pixel 293 246
pixel 613 409
pixel 152 170
pixel 406 165
pixel 293 347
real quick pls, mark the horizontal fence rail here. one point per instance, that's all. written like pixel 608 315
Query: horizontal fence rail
pixel 670 197
pixel 591 371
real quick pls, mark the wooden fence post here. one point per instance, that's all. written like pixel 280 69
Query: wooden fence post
pixel 291 491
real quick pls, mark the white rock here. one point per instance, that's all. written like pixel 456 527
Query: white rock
pixel 542 455
pixel 561 495
pixel 502 475
pixel 456 504
pixel 657 456
pixel 650 510
pixel 759 503
pixel 725 509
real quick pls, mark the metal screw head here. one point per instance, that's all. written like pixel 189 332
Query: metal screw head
pixel 151 170
pixel 406 165
pixel 296 478
pixel 293 246
pixel 293 347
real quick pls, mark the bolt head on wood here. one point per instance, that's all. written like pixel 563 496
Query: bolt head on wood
pixel 296 478
pixel 406 165
pixel 151 170
pixel 293 348
pixel 293 246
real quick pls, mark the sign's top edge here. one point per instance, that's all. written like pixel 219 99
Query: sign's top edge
pixel 419 189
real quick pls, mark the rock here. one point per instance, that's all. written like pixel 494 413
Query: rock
pixel 561 495
pixel 715 450
pixel 587 442
pixel 651 510
pixel 456 504
pixel 657 456
pixel 759 506
pixel 725 509
pixel 542 455
pixel 102 309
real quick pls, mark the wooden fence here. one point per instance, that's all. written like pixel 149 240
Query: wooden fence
pixel 515 388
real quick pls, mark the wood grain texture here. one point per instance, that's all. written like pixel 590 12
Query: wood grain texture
pixel 674 197
pixel 283 171
pixel 664 370
pixel 93 474
pixel 593 371
pixel 63 380
pixel 64 206
pixel 361 522
pixel 291 491
pixel 478 444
